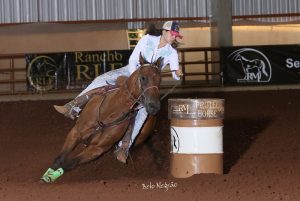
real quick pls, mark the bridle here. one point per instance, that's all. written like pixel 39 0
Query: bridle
pixel 142 94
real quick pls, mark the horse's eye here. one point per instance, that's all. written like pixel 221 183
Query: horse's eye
pixel 143 78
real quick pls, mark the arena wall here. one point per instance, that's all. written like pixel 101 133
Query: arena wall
pixel 44 38
pixel 37 38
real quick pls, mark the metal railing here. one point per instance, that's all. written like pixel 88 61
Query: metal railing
pixel 206 64
pixel 8 79
pixel 201 67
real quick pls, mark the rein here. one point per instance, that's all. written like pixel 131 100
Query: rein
pixel 101 125
pixel 169 71
pixel 127 115
pixel 169 91
pixel 172 89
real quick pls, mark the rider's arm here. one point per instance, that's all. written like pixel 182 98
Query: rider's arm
pixel 135 56
pixel 174 65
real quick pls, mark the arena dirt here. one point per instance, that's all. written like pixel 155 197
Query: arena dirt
pixel 261 155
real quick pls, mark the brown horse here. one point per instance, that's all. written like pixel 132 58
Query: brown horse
pixel 105 118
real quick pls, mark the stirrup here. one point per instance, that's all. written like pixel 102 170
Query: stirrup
pixel 73 112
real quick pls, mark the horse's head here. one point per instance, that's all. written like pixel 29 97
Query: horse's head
pixel 147 80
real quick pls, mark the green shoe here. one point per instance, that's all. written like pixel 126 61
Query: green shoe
pixel 50 175
pixel 45 178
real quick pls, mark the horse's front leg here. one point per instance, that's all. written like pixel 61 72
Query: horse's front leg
pixel 71 142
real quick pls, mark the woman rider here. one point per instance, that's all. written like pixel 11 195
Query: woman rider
pixel 156 43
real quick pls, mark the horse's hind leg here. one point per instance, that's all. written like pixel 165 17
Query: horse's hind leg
pixel 72 140
pixel 90 153
pixel 98 146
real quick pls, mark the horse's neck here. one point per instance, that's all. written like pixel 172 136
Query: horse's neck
pixel 119 101
pixel 133 84
pixel 131 89
pixel 125 96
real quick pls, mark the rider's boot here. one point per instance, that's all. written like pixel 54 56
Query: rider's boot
pixel 122 151
pixel 72 108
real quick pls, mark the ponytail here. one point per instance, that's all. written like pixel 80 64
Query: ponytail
pixel 153 31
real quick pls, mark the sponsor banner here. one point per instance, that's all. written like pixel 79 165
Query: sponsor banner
pixel 72 70
pixel 278 64
pixel 45 72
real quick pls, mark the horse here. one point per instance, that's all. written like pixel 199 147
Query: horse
pixel 105 119
pixel 255 66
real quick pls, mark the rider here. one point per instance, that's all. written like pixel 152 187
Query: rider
pixel 156 43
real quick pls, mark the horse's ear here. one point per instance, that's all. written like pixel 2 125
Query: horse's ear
pixel 159 62
pixel 142 60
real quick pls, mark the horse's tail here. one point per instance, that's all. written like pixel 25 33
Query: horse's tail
pixel 263 68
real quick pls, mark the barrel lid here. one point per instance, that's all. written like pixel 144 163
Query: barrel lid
pixel 205 108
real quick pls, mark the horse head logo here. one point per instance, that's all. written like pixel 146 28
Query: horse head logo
pixel 255 65
pixel 41 73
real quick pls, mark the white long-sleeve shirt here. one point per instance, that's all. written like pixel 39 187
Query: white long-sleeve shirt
pixel 148 46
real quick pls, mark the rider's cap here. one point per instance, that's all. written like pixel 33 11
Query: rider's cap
pixel 173 27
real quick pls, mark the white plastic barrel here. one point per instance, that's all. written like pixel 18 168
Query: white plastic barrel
pixel 196 129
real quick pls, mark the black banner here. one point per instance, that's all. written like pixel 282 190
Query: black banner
pixel 72 70
pixel 272 64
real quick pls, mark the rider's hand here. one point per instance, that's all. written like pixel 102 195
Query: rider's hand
pixel 179 73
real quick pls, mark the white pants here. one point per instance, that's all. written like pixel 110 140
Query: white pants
pixel 108 77
pixel 111 77
pixel 138 124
